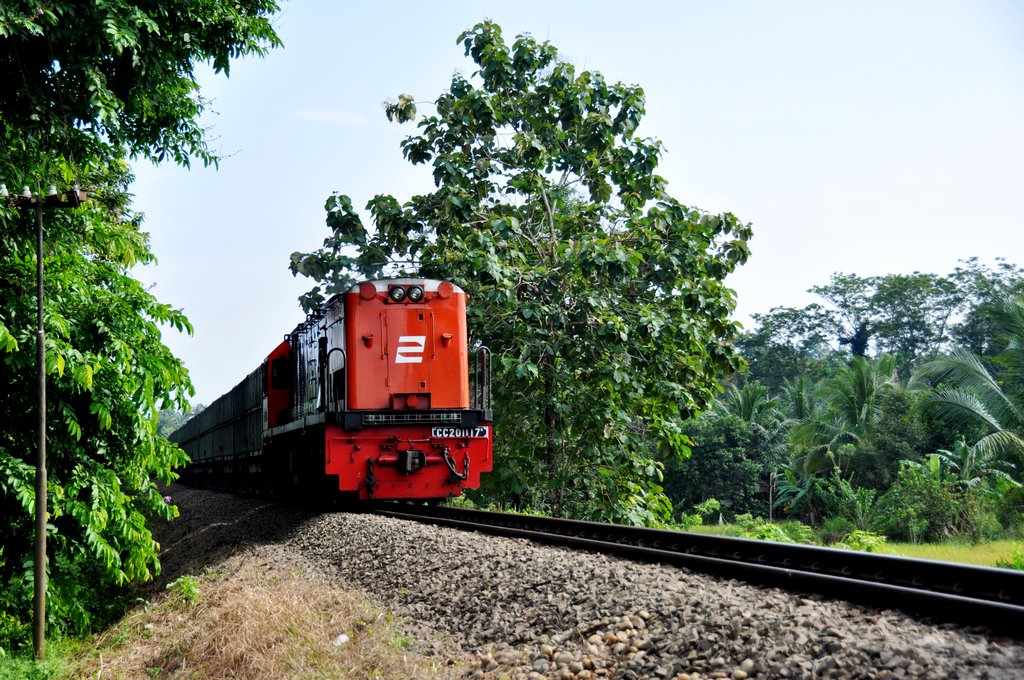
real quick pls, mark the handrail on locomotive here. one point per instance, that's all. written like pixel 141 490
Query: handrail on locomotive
pixel 481 388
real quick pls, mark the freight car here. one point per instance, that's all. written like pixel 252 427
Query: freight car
pixel 375 396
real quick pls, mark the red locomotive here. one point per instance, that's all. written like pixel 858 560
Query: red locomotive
pixel 371 397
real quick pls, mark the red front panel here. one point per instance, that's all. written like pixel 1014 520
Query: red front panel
pixel 347 454
pixel 401 350
pixel 409 349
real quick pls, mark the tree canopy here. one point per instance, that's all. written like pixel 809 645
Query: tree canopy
pixel 602 296
pixel 74 72
pixel 864 448
pixel 83 86
pixel 912 317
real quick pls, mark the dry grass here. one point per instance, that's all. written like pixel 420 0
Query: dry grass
pixel 257 619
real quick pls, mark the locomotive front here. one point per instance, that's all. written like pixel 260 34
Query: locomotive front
pixel 376 396
pixel 405 409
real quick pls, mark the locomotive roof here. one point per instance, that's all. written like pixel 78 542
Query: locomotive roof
pixel 429 285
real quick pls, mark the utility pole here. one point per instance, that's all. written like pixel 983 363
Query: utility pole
pixel 53 200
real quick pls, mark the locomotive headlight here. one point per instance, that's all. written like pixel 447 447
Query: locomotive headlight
pixel 415 294
pixel 397 293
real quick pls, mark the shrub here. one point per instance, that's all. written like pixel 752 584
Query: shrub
pixel 1016 559
pixel 797 532
pixel 768 532
pixel 919 507
pixel 1010 510
pixel 863 540
pixel 782 532
pixel 834 529
pixel 185 589
pixel 700 510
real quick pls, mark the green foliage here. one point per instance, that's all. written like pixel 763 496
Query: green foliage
pixel 602 296
pixel 984 288
pixel 707 507
pixel 898 433
pixel 865 541
pixel 91 83
pixel 185 590
pixel 768 532
pixel 853 504
pixel 788 342
pixel 965 391
pixel 750 402
pixel 121 72
pixel 780 532
pixel 1016 559
pixel 908 316
pixel 834 529
pixel 852 404
pixel 108 374
pixel 1009 509
pixel 700 511
pixel 919 507
pixel 854 430
pixel 732 459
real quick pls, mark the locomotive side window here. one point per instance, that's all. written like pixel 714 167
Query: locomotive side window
pixel 280 374
pixel 338 387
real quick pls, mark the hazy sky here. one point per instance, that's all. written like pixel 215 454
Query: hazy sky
pixel 868 137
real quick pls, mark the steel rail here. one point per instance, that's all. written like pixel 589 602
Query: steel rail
pixel 956 593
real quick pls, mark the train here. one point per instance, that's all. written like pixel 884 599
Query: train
pixel 378 395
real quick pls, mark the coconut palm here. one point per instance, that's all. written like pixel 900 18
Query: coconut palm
pixel 802 400
pixel 966 392
pixel 853 402
pixel 750 402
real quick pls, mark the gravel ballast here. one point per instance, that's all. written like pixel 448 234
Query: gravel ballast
pixel 524 610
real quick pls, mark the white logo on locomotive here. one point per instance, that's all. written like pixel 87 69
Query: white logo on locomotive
pixel 410 349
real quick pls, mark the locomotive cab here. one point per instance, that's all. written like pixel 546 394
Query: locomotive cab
pixel 375 395
pixel 386 368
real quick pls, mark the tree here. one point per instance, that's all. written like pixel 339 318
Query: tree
pixel 724 464
pixel 969 467
pixel 967 393
pixel 84 85
pixel 75 74
pixel 984 288
pixel 904 315
pixel 852 400
pixel 898 433
pixel 908 316
pixel 600 294
pixel 738 446
pixel 789 342
pixel 750 402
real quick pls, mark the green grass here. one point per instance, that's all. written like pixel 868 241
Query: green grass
pixel 984 554
pixel 715 529
pixel 23 666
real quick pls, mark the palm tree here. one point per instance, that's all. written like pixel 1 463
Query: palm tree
pixel 750 402
pixel 968 468
pixel 802 399
pixel 853 401
pixel 968 393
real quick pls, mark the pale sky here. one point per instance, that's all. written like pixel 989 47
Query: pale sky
pixel 868 137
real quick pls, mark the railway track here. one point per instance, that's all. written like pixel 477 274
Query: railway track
pixel 955 593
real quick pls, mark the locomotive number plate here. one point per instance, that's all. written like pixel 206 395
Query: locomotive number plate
pixel 476 432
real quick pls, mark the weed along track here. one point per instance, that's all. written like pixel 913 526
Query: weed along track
pixel 480 605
